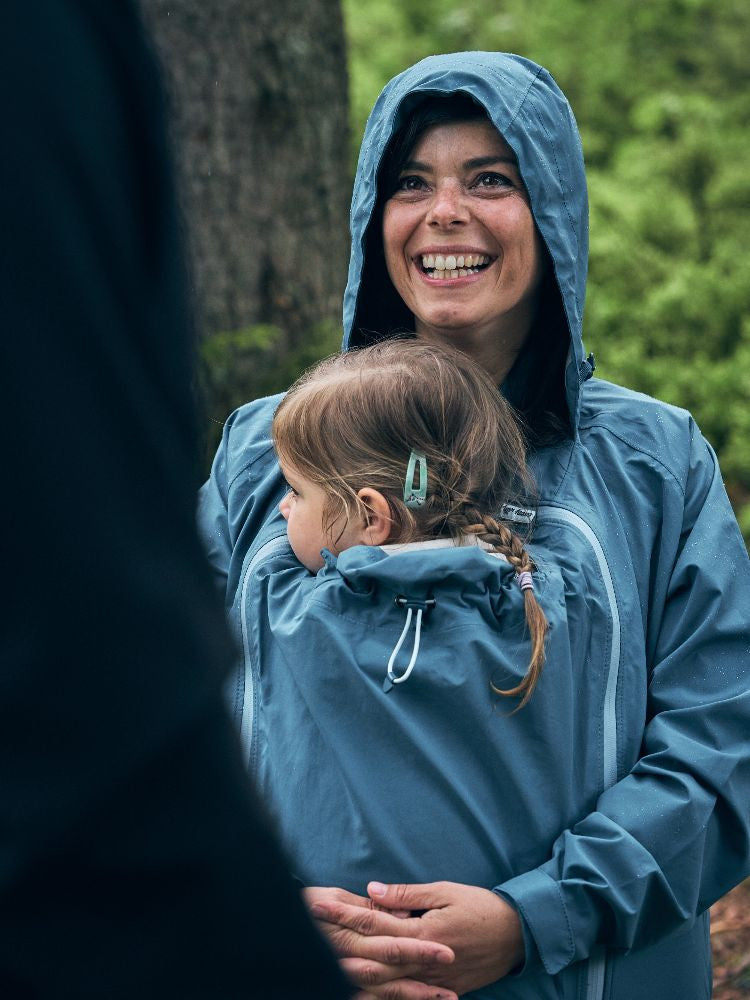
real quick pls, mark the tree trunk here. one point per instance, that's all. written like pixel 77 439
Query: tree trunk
pixel 259 94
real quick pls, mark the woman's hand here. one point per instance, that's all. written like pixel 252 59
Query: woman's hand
pixel 379 950
pixel 373 957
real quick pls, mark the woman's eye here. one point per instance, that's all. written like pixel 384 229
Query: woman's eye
pixel 410 183
pixel 489 179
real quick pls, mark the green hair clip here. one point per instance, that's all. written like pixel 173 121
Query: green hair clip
pixel 416 497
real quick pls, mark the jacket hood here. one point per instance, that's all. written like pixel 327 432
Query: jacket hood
pixel 468 569
pixel 532 114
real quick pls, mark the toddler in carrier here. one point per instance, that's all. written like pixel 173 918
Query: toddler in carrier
pixel 401 717
pixel 399 444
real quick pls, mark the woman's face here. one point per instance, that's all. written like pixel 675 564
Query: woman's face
pixel 460 242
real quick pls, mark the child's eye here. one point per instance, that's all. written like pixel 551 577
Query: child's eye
pixel 290 491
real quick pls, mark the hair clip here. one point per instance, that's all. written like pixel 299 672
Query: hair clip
pixel 416 497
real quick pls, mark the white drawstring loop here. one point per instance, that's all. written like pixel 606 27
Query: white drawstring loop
pixel 421 607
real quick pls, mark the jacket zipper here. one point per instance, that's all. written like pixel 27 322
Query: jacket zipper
pixel 597 964
pixel 249 696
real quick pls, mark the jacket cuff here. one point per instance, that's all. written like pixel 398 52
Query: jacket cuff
pixel 539 901
pixel 531 961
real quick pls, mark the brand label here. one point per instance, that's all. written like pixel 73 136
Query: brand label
pixel 521 515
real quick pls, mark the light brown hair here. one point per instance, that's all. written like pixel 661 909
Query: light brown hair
pixel 352 422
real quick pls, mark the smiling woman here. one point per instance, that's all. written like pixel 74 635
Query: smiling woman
pixel 450 187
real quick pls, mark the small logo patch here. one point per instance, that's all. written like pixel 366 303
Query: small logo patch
pixel 521 515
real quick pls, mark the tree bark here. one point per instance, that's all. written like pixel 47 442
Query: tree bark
pixel 259 94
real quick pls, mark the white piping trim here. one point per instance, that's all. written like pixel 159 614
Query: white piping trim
pixel 595 973
pixel 597 963
pixel 247 719
pixel 609 728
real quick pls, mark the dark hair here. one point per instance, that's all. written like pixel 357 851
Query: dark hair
pixel 540 400
pixel 352 421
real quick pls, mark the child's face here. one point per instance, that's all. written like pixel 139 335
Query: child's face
pixel 304 510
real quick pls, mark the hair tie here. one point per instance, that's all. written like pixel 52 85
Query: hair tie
pixel 416 497
pixel 524 580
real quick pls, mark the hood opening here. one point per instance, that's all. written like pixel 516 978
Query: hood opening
pixel 529 110
pixel 535 385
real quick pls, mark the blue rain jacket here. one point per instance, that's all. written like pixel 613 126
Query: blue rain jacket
pixel 614 808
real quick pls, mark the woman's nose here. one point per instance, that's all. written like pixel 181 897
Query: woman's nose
pixel 285 506
pixel 448 206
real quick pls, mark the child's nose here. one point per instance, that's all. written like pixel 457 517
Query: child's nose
pixel 285 505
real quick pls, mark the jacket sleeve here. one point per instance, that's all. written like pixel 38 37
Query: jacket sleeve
pixel 240 492
pixel 670 837
pixel 213 511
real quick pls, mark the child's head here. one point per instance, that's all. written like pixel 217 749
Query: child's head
pixel 349 433
pixel 346 430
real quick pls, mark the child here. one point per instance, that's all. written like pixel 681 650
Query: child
pixel 377 647
pixel 352 434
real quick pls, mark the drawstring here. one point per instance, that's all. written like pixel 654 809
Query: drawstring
pixel 421 608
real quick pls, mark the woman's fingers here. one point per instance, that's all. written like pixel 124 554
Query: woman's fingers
pixel 402 914
pixel 427 896
pixel 330 894
pixel 399 954
pixel 370 974
pixel 406 989
pixel 362 919
pixel 408 954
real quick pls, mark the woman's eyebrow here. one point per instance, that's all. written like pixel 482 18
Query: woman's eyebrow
pixel 487 161
pixel 416 165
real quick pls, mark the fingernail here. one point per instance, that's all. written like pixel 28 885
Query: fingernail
pixel 317 911
pixel 376 889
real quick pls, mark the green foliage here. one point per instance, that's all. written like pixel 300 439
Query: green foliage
pixel 660 94
pixel 255 361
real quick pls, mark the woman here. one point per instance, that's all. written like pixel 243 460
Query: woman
pixel 651 822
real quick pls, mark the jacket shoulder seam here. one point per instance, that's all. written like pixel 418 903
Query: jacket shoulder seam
pixel 641 450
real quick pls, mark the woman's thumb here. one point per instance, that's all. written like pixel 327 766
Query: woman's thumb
pixel 404 897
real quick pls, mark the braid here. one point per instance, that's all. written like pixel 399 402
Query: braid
pixel 507 542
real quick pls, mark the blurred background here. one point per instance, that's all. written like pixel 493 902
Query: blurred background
pixel 268 106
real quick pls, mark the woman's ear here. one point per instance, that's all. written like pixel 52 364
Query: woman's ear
pixel 379 521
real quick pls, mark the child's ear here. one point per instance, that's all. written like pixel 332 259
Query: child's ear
pixel 379 522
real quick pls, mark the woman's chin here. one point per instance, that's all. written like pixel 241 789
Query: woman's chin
pixel 446 325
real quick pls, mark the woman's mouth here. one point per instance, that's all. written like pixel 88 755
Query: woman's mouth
pixel 440 266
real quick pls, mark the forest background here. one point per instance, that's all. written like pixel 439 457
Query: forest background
pixel 269 103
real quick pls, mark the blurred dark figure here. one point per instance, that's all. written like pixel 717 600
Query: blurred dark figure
pixel 132 860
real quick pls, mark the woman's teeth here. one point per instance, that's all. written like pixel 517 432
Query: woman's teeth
pixel 453 265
